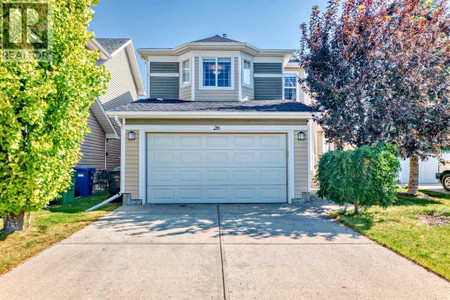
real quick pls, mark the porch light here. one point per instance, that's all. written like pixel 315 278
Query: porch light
pixel 131 136
pixel 301 136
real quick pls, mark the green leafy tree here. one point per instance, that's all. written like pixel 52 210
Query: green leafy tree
pixel 379 71
pixel 365 176
pixel 43 114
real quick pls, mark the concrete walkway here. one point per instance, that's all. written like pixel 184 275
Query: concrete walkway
pixel 217 252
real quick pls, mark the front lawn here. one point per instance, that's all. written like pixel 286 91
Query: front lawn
pixel 418 228
pixel 49 226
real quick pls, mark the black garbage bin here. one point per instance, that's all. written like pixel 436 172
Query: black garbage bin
pixel 114 182
pixel 84 181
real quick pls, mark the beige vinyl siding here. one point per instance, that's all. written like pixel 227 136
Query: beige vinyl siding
pixel 216 94
pixel 319 147
pixel 132 166
pixel 121 89
pixel 301 165
pixel 93 147
pixel 185 92
pixel 248 93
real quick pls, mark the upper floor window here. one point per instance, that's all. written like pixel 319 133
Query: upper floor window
pixel 290 87
pixel 247 73
pixel 217 72
pixel 185 74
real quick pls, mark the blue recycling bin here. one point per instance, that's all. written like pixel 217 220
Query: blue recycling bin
pixel 84 182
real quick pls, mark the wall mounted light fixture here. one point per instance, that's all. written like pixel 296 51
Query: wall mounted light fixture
pixel 131 136
pixel 301 136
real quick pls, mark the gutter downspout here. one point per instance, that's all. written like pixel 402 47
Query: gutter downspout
pixel 104 202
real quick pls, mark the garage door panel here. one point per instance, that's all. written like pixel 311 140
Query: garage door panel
pixel 205 194
pixel 217 177
pixel 216 168
pixel 218 142
pixel 216 159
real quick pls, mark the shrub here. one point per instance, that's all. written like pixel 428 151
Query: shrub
pixel 365 176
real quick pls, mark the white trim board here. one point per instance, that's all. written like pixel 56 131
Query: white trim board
pixel 164 74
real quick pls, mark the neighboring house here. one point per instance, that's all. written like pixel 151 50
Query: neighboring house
pixel 101 147
pixel 427 170
pixel 226 122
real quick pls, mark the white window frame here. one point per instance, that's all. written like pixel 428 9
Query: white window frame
pixel 251 73
pixel 200 79
pixel 187 83
pixel 296 86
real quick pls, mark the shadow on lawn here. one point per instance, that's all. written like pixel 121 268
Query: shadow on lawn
pixel 3 235
pixel 360 222
pixel 406 200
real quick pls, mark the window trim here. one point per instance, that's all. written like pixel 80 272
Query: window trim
pixel 296 86
pixel 226 88
pixel 187 83
pixel 251 73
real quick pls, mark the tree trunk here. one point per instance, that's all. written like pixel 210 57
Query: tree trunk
pixel 13 222
pixel 356 207
pixel 413 185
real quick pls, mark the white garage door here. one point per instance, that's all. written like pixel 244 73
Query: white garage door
pixel 216 168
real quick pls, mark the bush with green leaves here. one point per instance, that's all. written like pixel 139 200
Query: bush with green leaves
pixel 44 108
pixel 365 176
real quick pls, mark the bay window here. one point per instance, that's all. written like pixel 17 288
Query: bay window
pixel 290 87
pixel 185 72
pixel 217 72
pixel 247 73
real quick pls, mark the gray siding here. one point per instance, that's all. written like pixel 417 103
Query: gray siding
pixel 121 89
pixel 268 88
pixel 113 157
pixel 113 149
pixel 268 68
pixel 93 147
pixel 164 67
pixel 185 93
pixel 213 94
pixel 164 87
pixel 248 93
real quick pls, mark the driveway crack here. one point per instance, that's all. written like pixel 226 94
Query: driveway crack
pixel 221 253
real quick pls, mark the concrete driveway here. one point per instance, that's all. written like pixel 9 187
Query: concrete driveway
pixel 433 187
pixel 217 252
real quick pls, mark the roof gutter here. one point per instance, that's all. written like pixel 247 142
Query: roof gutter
pixel 210 115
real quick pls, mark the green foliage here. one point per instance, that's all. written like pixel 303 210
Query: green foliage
pixel 44 110
pixel 366 175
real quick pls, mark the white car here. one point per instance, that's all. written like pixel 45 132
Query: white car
pixel 443 174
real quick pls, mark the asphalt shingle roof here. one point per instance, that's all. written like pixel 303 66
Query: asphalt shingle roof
pixel 216 39
pixel 149 105
pixel 111 44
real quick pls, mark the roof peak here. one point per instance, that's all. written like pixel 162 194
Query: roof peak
pixel 111 45
pixel 217 39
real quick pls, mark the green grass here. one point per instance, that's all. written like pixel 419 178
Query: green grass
pixel 402 228
pixel 49 226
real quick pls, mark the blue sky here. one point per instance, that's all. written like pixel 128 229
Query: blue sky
pixel 162 23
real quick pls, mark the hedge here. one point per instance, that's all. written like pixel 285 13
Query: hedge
pixel 365 176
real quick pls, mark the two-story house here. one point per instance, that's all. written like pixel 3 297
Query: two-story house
pixel 101 147
pixel 226 122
